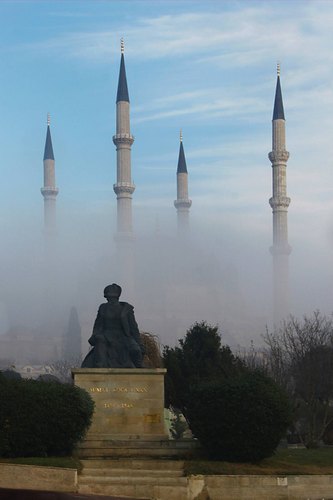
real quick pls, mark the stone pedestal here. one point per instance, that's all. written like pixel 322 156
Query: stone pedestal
pixel 129 402
pixel 128 420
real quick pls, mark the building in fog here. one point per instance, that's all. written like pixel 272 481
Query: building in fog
pixel 21 345
pixel 72 339
pixel 194 278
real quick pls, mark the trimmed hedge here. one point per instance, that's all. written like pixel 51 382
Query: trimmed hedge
pixel 42 418
pixel 240 419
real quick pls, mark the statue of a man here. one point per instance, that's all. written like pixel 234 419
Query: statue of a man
pixel 115 337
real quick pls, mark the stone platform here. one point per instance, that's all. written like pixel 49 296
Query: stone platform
pixel 129 414
pixel 148 479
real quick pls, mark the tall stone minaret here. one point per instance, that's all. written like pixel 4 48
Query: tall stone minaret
pixel 50 315
pixel 182 203
pixel 123 140
pixel 124 269
pixel 279 203
pixel 49 189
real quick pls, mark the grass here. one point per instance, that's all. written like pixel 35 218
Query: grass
pixel 66 462
pixel 285 462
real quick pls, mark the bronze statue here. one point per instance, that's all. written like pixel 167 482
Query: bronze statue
pixel 115 337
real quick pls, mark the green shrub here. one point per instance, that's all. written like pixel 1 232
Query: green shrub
pixel 239 419
pixel 200 357
pixel 42 418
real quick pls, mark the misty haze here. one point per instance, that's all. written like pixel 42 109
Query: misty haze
pixel 222 270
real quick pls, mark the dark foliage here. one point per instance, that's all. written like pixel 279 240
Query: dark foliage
pixel 41 418
pixel 239 419
pixel 11 374
pixel 200 357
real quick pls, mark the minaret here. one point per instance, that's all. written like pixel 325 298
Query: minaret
pixel 182 203
pixel 279 203
pixel 124 269
pixel 72 339
pixel 49 190
pixel 123 140
pixel 50 274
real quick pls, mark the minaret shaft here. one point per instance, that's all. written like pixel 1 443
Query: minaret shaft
pixel 279 203
pixel 123 117
pixel 278 135
pixel 182 186
pixel 49 173
pixel 50 219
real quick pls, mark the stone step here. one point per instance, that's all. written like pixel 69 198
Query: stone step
pixel 144 479
pixel 163 481
pixel 139 449
pixel 157 453
pixel 133 464
pixel 135 472
pixel 141 492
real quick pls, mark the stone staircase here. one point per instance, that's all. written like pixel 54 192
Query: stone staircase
pixel 144 479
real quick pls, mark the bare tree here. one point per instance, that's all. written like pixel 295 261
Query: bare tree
pixel 254 358
pixel 152 348
pixel 62 369
pixel 300 355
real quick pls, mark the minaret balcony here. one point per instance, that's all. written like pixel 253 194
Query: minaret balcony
pixel 127 139
pixel 49 191
pixel 278 156
pixel 279 202
pixel 124 187
pixel 183 203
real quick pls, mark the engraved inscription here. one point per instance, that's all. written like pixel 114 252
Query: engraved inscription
pixel 118 405
pixel 130 389
pixel 138 390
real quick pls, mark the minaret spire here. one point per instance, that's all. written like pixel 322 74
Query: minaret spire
pixel 278 112
pixel 49 189
pixel 279 203
pixel 122 93
pixel 183 203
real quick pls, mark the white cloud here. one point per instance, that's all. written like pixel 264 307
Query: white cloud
pixel 239 36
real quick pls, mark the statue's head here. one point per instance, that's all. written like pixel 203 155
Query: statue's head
pixel 113 290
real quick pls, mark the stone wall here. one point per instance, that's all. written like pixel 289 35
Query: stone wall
pixel 230 487
pixel 38 478
pixel 260 487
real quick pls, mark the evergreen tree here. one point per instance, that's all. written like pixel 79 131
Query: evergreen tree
pixel 200 357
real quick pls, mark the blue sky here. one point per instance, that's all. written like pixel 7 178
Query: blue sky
pixel 206 67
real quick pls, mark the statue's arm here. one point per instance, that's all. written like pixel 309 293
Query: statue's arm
pixel 98 327
pixel 133 326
